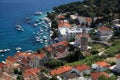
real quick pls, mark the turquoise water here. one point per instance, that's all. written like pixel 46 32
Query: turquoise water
pixel 15 11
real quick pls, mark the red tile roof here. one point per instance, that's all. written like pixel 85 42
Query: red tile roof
pixel 2 64
pixel 61 23
pixel 96 75
pixel 82 67
pixel 41 55
pixel 11 59
pixel 88 19
pixel 31 72
pixel 62 44
pixel 60 70
pixel 60 16
pixel 104 28
pixel 118 56
pixel 22 54
pixel 24 61
pixel 102 64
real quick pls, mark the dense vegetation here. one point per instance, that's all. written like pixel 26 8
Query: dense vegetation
pixel 114 49
pixel 74 56
pixel 53 63
pixel 108 9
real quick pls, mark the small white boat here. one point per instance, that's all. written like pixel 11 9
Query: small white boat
pixel 41 30
pixel 36 37
pixel 2 55
pixel 18 48
pixel 41 41
pixel 18 51
pixel 19 28
pixel 39 23
pixel 44 37
pixel 8 49
pixel 5 50
pixel 46 41
pixel 37 40
pixel 1 51
pixel 38 13
pixel 35 24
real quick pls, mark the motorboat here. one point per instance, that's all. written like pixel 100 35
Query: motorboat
pixel 4 50
pixel 1 51
pixel 41 30
pixel 18 48
pixel 46 41
pixel 35 24
pixel 44 37
pixel 19 28
pixel 2 55
pixel 38 13
pixel 41 41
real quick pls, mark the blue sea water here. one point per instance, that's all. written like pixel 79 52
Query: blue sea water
pixel 15 11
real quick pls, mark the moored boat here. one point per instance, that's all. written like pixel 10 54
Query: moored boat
pixel 38 13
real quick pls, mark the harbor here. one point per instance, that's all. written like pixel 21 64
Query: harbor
pixel 32 25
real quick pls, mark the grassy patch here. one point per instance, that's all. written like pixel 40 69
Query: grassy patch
pixel 88 60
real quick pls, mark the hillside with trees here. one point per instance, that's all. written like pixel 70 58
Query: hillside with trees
pixel 108 9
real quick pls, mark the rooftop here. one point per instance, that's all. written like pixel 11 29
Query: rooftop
pixel 31 72
pixel 60 16
pixel 88 19
pixel 104 28
pixel 61 23
pixel 96 75
pixel 22 54
pixel 102 64
pixel 82 67
pixel 59 45
pixel 41 55
pixel 11 59
pixel 60 70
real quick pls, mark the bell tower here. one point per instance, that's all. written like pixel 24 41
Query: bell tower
pixel 84 40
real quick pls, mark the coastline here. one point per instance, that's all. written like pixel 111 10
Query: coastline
pixel 10 38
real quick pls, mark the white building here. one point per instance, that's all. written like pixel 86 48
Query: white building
pixel 81 69
pixel 73 17
pixel 85 20
pixel 104 33
pixel 100 66
pixel 68 33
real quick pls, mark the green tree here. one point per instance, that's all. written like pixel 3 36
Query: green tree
pixel 39 50
pixel 113 77
pixel 74 56
pixel 94 51
pixel 53 63
pixel 54 24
